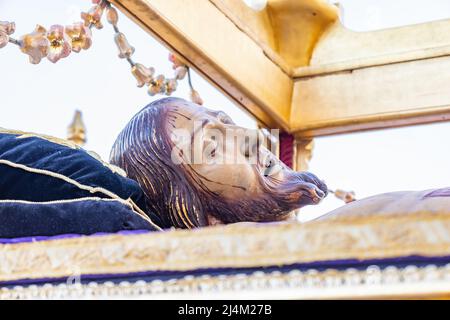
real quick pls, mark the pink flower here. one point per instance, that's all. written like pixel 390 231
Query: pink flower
pixel 6 29
pixel 93 16
pixel 80 36
pixel 60 43
pixel 35 44
pixel 156 85
pixel 171 86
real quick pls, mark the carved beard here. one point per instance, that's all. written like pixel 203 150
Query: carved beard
pixel 275 203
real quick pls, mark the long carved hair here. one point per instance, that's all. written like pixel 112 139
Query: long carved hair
pixel 143 149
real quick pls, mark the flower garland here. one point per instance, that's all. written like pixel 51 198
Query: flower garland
pixel 59 42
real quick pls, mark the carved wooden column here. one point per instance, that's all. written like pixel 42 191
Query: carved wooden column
pixel 303 153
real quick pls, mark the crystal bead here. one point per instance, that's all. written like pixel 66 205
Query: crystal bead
pixel 180 73
pixel 142 74
pixel 112 16
pixel 125 50
pixel 195 97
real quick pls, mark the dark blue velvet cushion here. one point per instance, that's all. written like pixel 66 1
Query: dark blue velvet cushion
pixel 81 216
pixel 76 164
pixel 39 169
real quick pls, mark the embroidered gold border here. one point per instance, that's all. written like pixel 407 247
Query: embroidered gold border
pixel 231 246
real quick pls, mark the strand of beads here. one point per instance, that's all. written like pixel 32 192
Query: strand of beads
pixel 59 42
pixel 181 69
pixel 158 84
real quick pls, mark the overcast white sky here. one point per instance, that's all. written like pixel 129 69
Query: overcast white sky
pixel 42 98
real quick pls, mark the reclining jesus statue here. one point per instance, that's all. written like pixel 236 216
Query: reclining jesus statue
pixel 175 165
pixel 198 168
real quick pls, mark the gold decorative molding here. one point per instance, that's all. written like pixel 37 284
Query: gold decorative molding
pixel 286 30
pixel 232 246
pixel 294 65
pixel 341 49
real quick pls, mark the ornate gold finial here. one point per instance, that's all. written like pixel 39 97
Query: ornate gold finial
pixel 76 132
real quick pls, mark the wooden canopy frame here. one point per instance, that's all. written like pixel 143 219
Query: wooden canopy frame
pixel 294 66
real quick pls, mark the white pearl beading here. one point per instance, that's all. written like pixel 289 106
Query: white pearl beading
pixel 295 280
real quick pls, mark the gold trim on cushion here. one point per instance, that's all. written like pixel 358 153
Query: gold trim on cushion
pixel 65 143
pixel 128 204
pixel 23 135
pixel 232 246
pixel 92 190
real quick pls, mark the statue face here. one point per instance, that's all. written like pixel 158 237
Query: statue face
pixel 216 150
pixel 226 168
pixel 231 160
